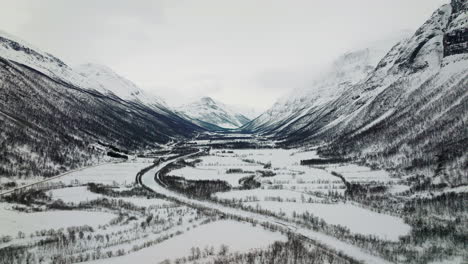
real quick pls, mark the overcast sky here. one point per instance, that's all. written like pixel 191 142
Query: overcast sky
pixel 243 52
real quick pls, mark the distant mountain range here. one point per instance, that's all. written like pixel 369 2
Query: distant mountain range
pixel 403 107
pixel 52 114
pixel 406 109
pixel 346 71
pixel 212 114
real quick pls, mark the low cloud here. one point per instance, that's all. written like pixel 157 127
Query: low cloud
pixel 242 52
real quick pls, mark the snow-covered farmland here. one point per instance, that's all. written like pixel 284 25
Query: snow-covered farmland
pixel 305 179
pixel 357 219
pixel 277 157
pixel 285 164
pixel 299 189
pixel 110 174
pixel 356 173
pixel 139 201
pixel 215 167
pixel 225 161
pixel 73 194
pixel 191 173
pixel 266 194
pixel 238 236
pixel 82 194
pixel 11 222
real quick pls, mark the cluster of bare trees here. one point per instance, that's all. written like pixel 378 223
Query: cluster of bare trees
pixel 131 225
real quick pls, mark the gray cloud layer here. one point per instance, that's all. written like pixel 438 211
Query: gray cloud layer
pixel 241 52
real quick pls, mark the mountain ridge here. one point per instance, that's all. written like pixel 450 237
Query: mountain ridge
pixel 408 113
pixel 206 110
pixel 50 120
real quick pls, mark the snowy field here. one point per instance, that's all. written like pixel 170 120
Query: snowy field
pixel 292 190
pixel 284 163
pixel 110 174
pixel 278 157
pixel 239 237
pixel 289 174
pixel 190 173
pixel 299 189
pixel 265 194
pixel 11 222
pixel 225 161
pixel 214 167
pixel 357 219
pixel 361 174
pixel 351 250
pixel 82 194
pixel 73 194
pixel 306 179
pixel 146 202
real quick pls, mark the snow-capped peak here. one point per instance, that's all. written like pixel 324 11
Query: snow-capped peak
pixel 88 76
pixel 207 110
pixel 104 79
pixel 347 70
pixel 19 51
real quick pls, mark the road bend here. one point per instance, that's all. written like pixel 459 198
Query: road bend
pixel 150 179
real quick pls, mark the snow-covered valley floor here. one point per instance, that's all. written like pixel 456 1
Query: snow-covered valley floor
pixel 112 213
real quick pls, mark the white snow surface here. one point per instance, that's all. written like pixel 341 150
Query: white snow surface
pixel 262 194
pixel 278 157
pixel 239 237
pixel 190 173
pixel 88 76
pixel 357 219
pixel 82 194
pixel 211 111
pixel 356 173
pixel 118 174
pixel 285 164
pixel 103 78
pixel 11 222
pixel 353 251
pixel 74 194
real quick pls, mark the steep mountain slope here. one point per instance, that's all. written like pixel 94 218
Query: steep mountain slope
pixel 412 111
pixel 50 119
pixel 210 114
pixel 90 76
pixel 409 113
pixel 345 72
pixel 102 78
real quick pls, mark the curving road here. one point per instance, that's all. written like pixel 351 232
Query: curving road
pixel 149 178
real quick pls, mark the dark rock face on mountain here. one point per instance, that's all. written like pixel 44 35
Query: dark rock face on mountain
pixel 49 124
pixel 459 6
pixel 456 38
pixel 409 113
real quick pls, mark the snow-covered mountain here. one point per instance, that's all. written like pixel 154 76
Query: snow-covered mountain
pixel 103 78
pixel 51 114
pixel 89 76
pixel 409 112
pixel 207 112
pixel 346 71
